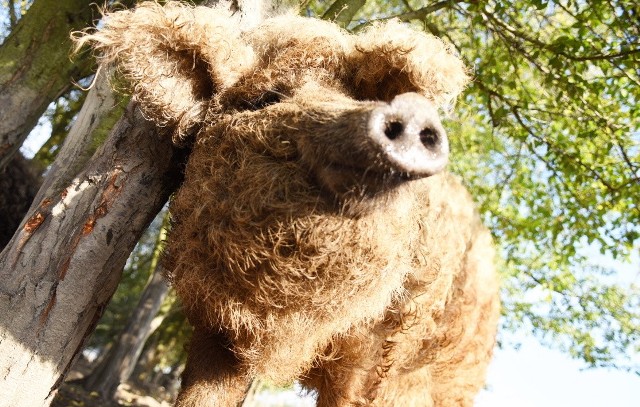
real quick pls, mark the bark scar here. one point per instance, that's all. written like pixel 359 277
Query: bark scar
pixel 111 192
pixel 31 226
pixel 45 313
pixel 109 196
pixel 107 199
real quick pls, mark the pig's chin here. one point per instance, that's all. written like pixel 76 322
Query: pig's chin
pixel 361 189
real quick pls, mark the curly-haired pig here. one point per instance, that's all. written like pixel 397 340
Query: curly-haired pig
pixel 317 236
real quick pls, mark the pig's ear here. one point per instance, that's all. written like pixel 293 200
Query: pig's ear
pixel 391 58
pixel 172 58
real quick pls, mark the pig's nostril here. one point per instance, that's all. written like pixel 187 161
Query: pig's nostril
pixel 393 129
pixel 406 136
pixel 429 137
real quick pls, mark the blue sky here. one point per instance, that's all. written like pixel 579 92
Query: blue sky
pixel 535 376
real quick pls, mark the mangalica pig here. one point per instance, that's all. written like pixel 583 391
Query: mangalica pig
pixel 316 236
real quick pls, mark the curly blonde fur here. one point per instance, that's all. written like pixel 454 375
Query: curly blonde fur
pixel 369 294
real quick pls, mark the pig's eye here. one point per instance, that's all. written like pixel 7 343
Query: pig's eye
pixel 270 97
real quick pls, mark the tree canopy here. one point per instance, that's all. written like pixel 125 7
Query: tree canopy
pixel 547 137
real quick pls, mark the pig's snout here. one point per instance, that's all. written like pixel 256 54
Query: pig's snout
pixel 410 135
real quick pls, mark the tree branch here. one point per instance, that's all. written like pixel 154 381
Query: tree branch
pixel 61 268
pixel 342 12
pixel 543 45
pixel 419 14
pixel 36 68
pixel 98 114
pixel 13 18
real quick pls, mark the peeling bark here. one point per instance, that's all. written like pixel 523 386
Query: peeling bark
pixel 60 270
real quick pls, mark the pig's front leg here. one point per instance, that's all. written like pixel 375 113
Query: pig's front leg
pixel 212 376
pixel 345 375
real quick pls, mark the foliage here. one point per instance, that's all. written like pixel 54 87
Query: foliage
pixel 10 13
pixel 170 339
pixel 60 114
pixel 548 139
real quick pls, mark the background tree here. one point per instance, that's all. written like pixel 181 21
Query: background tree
pixel 547 137
pixel 119 361
pixel 34 70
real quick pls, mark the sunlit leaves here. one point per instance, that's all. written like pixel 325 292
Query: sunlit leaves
pixel 61 115
pixel 547 137
pixel 575 175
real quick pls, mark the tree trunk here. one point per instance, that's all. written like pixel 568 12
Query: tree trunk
pixel 100 111
pixel 143 370
pixel 19 182
pixel 35 67
pixel 63 265
pixel 60 270
pixel 118 364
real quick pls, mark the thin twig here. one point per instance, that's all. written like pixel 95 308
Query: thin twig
pixel 419 14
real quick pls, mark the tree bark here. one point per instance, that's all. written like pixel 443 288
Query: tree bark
pixel 63 264
pixel 342 12
pixel 116 367
pixel 35 67
pixel 60 270
pixel 143 375
pixel 100 111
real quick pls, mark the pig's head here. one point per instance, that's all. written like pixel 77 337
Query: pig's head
pixel 310 147
pixel 356 114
